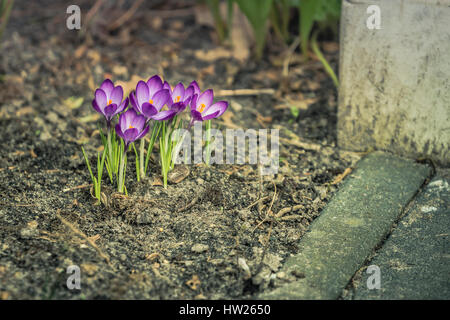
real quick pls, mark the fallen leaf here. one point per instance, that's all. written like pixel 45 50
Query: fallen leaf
pixel 157 181
pixel 152 256
pixel 90 118
pixel 73 102
pixel 178 174
pixel 194 282
pixel 297 104
pixel 94 56
pixel 79 52
pixel 4 295
pixel 212 55
pixel 89 268
pixel 23 111
pixel 120 70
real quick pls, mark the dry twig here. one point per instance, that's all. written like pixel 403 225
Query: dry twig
pixel 82 235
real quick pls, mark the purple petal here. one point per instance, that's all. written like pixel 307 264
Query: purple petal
pixel 100 97
pixel 127 118
pixel 161 98
pixel 143 133
pixel 136 106
pixel 167 86
pixel 197 116
pixel 164 115
pixel 188 95
pixel 130 134
pixel 149 110
pixel 122 121
pixel 96 107
pixel 110 110
pixel 119 131
pixel 142 92
pixel 220 106
pixel 193 104
pixel 116 95
pixel 122 106
pixel 195 86
pixel 107 86
pixel 154 84
pixel 139 122
pixel 211 116
pixel 178 107
pixel 205 98
pixel 178 93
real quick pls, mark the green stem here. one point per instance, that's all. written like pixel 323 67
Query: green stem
pixel 141 160
pixel 324 61
pixel 208 141
pixel 121 170
pixel 110 156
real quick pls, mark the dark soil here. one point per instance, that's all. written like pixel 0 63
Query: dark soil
pixel 184 242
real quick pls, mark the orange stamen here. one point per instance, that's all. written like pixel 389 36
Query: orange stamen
pixel 150 101
pixel 109 101
pixel 202 107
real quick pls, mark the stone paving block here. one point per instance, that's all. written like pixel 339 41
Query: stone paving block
pixel 358 217
pixel 414 261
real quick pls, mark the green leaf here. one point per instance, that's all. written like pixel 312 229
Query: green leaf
pixel 257 12
pixel 138 175
pixel 154 136
pixel 214 7
pixel 315 11
pixel 88 164
pixel 294 111
pixel 324 61
pixel 308 12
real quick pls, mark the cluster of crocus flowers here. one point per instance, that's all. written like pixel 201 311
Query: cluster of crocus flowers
pixel 156 107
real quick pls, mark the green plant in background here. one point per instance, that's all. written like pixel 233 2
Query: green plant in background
pixel 5 10
pixel 257 13
pixel 321 14
pixel 221 28
pixel 325 12
pixel 279 18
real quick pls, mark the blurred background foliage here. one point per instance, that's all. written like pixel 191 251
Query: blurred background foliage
pixel 5 10
pixel 280 16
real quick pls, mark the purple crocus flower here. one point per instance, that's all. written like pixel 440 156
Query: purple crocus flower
pixel 178 107
pixel 150 98
pixel 180 94
pixel 196 88
pixel 131 126
pixel 202 107
pixel 108 100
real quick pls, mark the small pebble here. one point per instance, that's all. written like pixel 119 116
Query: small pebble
pixel 199 248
